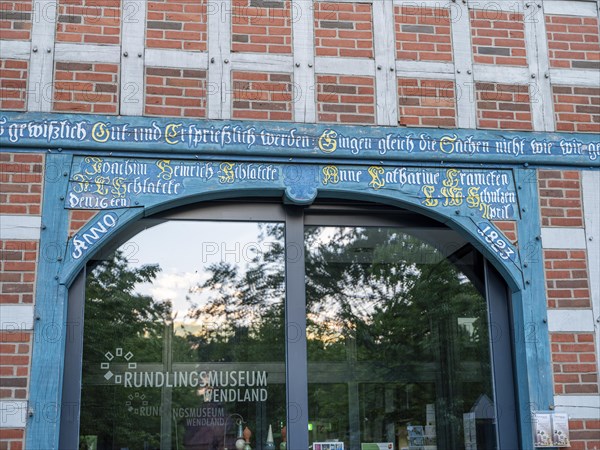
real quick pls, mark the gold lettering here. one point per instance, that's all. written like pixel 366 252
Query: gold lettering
pixel 119 188
pixel 228 174
pixel 330 175
pixel 430 201
pixel 166 171
pixel 473 197
pixel 474 201
pixel 376 182
pixel 82 184
pixel 95 165
pixel 100 132
pixel 172 133
pixel 102 185
pixel 328 141
pixel 451 191
pixel 447 140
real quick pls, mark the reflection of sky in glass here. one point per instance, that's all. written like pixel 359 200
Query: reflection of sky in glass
pixel 184 250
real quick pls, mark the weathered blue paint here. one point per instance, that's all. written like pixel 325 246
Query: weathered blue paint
pixel 532 346
pixel 89 240
pixel 49 333
pixel 111 183
pixel 110 222
pixel 199 137
pixel 327 160
pixel 301 183
pixel 96 230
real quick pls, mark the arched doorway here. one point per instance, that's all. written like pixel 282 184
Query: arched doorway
pixel 353 325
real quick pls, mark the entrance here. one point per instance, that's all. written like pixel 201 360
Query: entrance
pixel 260 326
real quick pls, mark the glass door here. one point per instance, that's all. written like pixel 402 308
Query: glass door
pixel 184 339
pixel 260 326
pixel 398 342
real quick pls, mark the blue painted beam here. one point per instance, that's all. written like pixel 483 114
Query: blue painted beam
pixel 50 326
pixel 281 139
pixel 532 340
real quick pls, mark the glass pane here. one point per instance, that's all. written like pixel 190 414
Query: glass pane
pixel 184 340
pixel 398 344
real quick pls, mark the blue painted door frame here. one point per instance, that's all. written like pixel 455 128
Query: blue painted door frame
pixel 84 172
pixel 60 263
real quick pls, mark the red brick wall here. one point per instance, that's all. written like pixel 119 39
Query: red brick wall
pixel 426 103
pixel 574 363
pixel 20 193
pixel 15 354
pixel 11 439
pixel 503 106
pixel 584 434
pixel 13 84
pixel 175 92
pixel 78 219
pixel 577 109
pixel 343 29
pixel 498 37
pixel 342 99
pixel 560 198
pixel 573 42
pixel 422 34
pixel 566 278
pixel 261 26
pixel 16 19
pixel 262 96
pixel 20 183
pixel 17 271
pixel 176 24
pixel 508 228
pixel 89 21
pixel 86 88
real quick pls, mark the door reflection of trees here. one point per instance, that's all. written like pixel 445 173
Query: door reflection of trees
pixel 392 325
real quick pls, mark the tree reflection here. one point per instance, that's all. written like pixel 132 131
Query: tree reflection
pixel 376 298
pixel 385 309
pixel 117 317
pixel 243 304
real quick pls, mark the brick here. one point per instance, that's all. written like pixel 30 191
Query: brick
pixel 13 84
pixel 95 91
pixel 508 228
pixel 20 183
pixel 566 39
pixel 560 198
pixel 498 37
pixel 424 102
pixel 14 367
pixel 176 24
pixel 78 219
pixel 343 30
pixel 261 96
pixel 11 433
pixel 175 92
pixel 16 19
pixel 501 106
pixel 89 21
pixel 582 117
pixel 343 99
pixel 261 28
pixel 575 371
pixel 422 34
pixel 567 285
